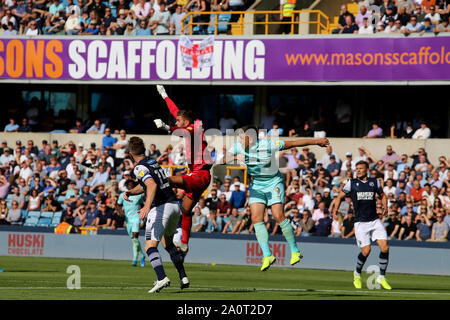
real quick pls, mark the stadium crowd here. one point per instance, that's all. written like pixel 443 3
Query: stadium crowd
pixel 84 183
pixel 113 17
pixel 397 16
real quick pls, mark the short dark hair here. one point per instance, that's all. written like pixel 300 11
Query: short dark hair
pixel 186 114
pixel 363 162
pixel 130 181
pixel 137 146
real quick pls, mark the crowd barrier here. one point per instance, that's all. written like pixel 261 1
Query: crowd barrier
pixel 319 253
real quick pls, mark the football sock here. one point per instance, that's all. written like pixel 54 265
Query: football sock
pixel 383 261
pixel 177 259
pixel 156 262
pixel 360 263
pixel 186 224
pixel 263 238
pixel 138 248
pixel 289 235
pixel 135 248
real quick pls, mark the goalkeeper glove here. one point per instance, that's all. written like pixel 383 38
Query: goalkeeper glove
pixel 161 125
pixel 161 91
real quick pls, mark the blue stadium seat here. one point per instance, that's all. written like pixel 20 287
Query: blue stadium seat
pixel 63 206
pixel 56 219
pixel 34 214
pixel 47 214
pixel 212 20
pixel 24 214
pixel 8 197
pixel 61 199
pixel 44 222
pixel 118 176
pixel 221 28
pixel 31 221
pixel 8 204
pixel 224 17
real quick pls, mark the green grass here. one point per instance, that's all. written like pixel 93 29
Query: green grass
pixel 45 278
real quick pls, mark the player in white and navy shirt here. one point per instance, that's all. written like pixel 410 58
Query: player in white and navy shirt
pixel 162 211
pixel 368 226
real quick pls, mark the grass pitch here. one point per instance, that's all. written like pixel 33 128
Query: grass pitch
pixel 46 278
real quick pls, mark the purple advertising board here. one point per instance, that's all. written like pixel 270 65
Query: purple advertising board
pixel 256 59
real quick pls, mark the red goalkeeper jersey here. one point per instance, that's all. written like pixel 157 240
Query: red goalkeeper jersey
pixel 195 144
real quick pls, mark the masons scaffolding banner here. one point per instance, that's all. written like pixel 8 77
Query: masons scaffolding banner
pixel 235 60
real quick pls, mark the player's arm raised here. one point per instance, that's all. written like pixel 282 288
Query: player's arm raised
pixel 170 104
pixel 323 142
pixel 151 186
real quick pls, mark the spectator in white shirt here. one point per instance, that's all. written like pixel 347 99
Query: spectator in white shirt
pixel 363 14
pixel 423 132
pixel 433 15
pixel 326 157
pixel 345 163
pixel 365 28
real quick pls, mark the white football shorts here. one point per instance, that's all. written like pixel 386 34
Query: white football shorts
pixel 162 221
pixel 365 232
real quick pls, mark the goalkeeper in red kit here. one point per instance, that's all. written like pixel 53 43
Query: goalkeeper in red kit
pixel 199 177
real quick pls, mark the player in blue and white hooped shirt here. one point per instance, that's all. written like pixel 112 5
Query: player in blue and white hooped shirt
pixel 162 211
pixel 368 226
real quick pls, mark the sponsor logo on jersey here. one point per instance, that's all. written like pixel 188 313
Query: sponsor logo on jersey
pixel 141 174
pixel 365 195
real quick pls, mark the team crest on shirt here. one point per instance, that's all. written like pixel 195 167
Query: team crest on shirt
pixel 278 143
pixel 141 174
pixel 371 184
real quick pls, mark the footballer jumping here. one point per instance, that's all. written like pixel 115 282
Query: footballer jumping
pixel 368 227
pixel 199 177
pixel 268 186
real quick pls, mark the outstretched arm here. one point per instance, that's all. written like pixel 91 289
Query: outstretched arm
pixel 170 104
pixel 323 142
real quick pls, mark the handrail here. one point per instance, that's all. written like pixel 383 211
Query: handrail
pixel 243 168
pixel 187 23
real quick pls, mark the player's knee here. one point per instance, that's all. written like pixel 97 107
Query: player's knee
pixel 366 251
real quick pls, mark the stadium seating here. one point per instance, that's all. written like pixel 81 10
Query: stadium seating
pixel 61 199
pixel 56 219
pixel 24 214
pixel 31 221
pixel 44 222
pixel 221 28
pixel 47 214
pixel 34 214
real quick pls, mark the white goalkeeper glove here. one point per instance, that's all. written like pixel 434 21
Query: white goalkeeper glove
pixel 161 125
pixel 161 91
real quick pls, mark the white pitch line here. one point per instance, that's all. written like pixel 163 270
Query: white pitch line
pixel 213 288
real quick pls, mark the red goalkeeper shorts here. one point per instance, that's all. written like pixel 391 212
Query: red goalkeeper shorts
pixel 196 183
